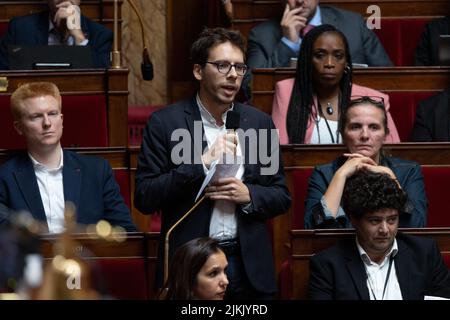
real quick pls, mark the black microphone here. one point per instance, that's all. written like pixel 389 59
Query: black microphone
pixel 233 120
pixel 146 66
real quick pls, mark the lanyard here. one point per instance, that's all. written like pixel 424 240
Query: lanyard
pixel 326 122
pixel 391 259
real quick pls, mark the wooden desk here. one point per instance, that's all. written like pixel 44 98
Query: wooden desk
pixel 383 79
pixel 112 83
pixel 305 243
pixel 117 157
pixel 136 246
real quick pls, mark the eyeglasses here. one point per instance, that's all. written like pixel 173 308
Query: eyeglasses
pixel 224 67
pixel 376 100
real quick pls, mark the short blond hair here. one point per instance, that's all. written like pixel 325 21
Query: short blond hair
pixel 32 90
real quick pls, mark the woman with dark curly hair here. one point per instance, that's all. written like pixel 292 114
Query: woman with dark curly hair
pixel 363 126
pixel 306 109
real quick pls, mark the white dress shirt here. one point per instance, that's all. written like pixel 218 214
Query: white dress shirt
pixel 51 188
pixel 223 223
pixel 378 276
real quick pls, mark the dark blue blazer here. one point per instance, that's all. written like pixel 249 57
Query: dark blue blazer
pixel 88 183
pixel 164 185
pixel 33 30
pixel 338 273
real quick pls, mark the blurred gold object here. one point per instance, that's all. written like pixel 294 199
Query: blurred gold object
pixel 3 84
pixel 67 277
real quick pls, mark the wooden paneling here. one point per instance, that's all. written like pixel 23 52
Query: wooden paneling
pixel 305 243
pixel 383 79
pixel 112 83
pixel 117 157
pixel 143 220
pixel 136 246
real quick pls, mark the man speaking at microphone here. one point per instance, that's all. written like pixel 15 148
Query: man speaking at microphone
pixel 179 146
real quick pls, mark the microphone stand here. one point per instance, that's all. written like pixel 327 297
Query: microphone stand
pixel 169 232
pixel 116 54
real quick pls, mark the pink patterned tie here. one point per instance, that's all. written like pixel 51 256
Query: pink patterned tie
pixel 306 29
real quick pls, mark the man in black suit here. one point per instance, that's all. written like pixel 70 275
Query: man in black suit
pixel 381 264
pixel 427 51
pixel 62 24
pixel 180 144
pixel 433 119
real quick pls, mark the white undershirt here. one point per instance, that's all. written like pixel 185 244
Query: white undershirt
pixel 223 223
pixel 377 273
pixel 51 188
pixel 322 130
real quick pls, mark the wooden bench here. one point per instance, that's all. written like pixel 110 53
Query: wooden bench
pixel 127 268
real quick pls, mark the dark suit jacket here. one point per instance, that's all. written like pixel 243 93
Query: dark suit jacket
pixel 433 119
pixel 266 50
pixel 164 185
pixel 338 273
pixel 88 183
pixel 427 51
pixel 33 30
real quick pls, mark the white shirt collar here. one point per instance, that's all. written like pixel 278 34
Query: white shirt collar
pixel 317 18
pixel 205 114
pixel 366 259
pixel 39 166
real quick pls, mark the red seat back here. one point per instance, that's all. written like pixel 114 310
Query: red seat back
pixel 137 119
pixel 3 28
pixel 400 37
pixel 403 110
pixel 122 177
pixel 85 123
pixel 436 180
pixel 446 257
pixel 125 278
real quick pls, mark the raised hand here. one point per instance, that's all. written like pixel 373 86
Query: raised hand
pixel 225 144
pixel 291 23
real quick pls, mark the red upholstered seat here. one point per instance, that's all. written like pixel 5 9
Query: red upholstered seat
pixel 85 123
pixel 137 119
pixel 436 180
pixel 446 259
pixel 122 177
pixel 403 110
pixel 3 28
pixel 400 37
pixel 124 278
